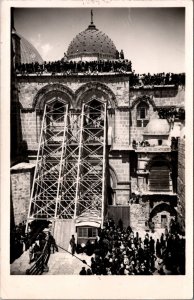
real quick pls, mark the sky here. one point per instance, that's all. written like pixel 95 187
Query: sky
pixel 152 38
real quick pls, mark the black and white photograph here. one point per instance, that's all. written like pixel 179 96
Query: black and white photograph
pixel 97 126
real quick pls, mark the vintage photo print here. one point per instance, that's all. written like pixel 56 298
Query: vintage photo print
pixel 97 117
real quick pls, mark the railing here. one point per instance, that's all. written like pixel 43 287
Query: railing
pixel 40 264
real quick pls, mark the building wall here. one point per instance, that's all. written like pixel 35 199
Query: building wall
pixel 121 167
pixel 181 184
pixel 159 97
pixel 31 121
pixel 136 133
pixel 21 182
pixel 31 124
pixel 162 96
pixel 30 87
pixel 139 215
pixel 122 127
pixel 140 180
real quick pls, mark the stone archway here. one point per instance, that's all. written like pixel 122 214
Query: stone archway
pixel 161 215
pixel 143 99
pixel 95 90
pixel 51 91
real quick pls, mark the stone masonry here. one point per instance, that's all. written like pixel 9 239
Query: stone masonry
pixel 21 182
pixel 181 183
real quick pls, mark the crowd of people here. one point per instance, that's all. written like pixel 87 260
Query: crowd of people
pixel 100 66
pixel 18 241
pixel 119 251
pixel 157 79
pixel 33 240
pixel 72 67
pixel 36 248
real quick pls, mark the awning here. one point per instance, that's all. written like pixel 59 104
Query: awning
pixel 88 223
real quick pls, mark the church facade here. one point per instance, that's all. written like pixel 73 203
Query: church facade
pixel 92 140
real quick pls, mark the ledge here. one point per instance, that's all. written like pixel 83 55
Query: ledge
pixel 168 193
pixel 117 147
pixel 153 149
pixel 72 75
pixel 142 172
pixel 152 86
pixel 22 166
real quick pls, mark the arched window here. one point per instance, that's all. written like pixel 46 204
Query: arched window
pixel 142 114
pixel 58 111
pixel 95 109
pixel 159 177
pixel 95 114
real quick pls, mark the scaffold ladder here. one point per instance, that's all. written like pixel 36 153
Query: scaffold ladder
pixel 91 177
pixel 46 189
pixel 70 174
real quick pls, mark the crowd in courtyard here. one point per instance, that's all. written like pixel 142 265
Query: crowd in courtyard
pixel 33 240
pixel 116 250
pixel 119 251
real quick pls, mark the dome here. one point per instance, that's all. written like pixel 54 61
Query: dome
pixel 91 44
pixel 29 53
pixel 157 127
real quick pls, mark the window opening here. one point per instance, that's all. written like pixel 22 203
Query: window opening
pixel 58 112
pixel 159 178
pixel 142 115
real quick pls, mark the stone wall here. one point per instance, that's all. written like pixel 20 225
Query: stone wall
pixel 181 184
pixel 162 96
pixel 157 219
pixel 136 133
pixel 29 87
pixel 121 167
pixel 139 215
pixel 31 124
pixel 21 182
pixel 122 127
pixel 31 120
pixel 159 97
pixel 140 181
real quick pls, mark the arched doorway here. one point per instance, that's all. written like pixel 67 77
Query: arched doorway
pixel 161 215
pixel 111 185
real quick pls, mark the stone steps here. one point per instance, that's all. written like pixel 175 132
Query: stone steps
pixel 20 265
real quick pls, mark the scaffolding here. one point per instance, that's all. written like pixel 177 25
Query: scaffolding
pixel 90 190
pixel 69 180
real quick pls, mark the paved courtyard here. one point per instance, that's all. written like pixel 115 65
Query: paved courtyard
pixel 62 263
